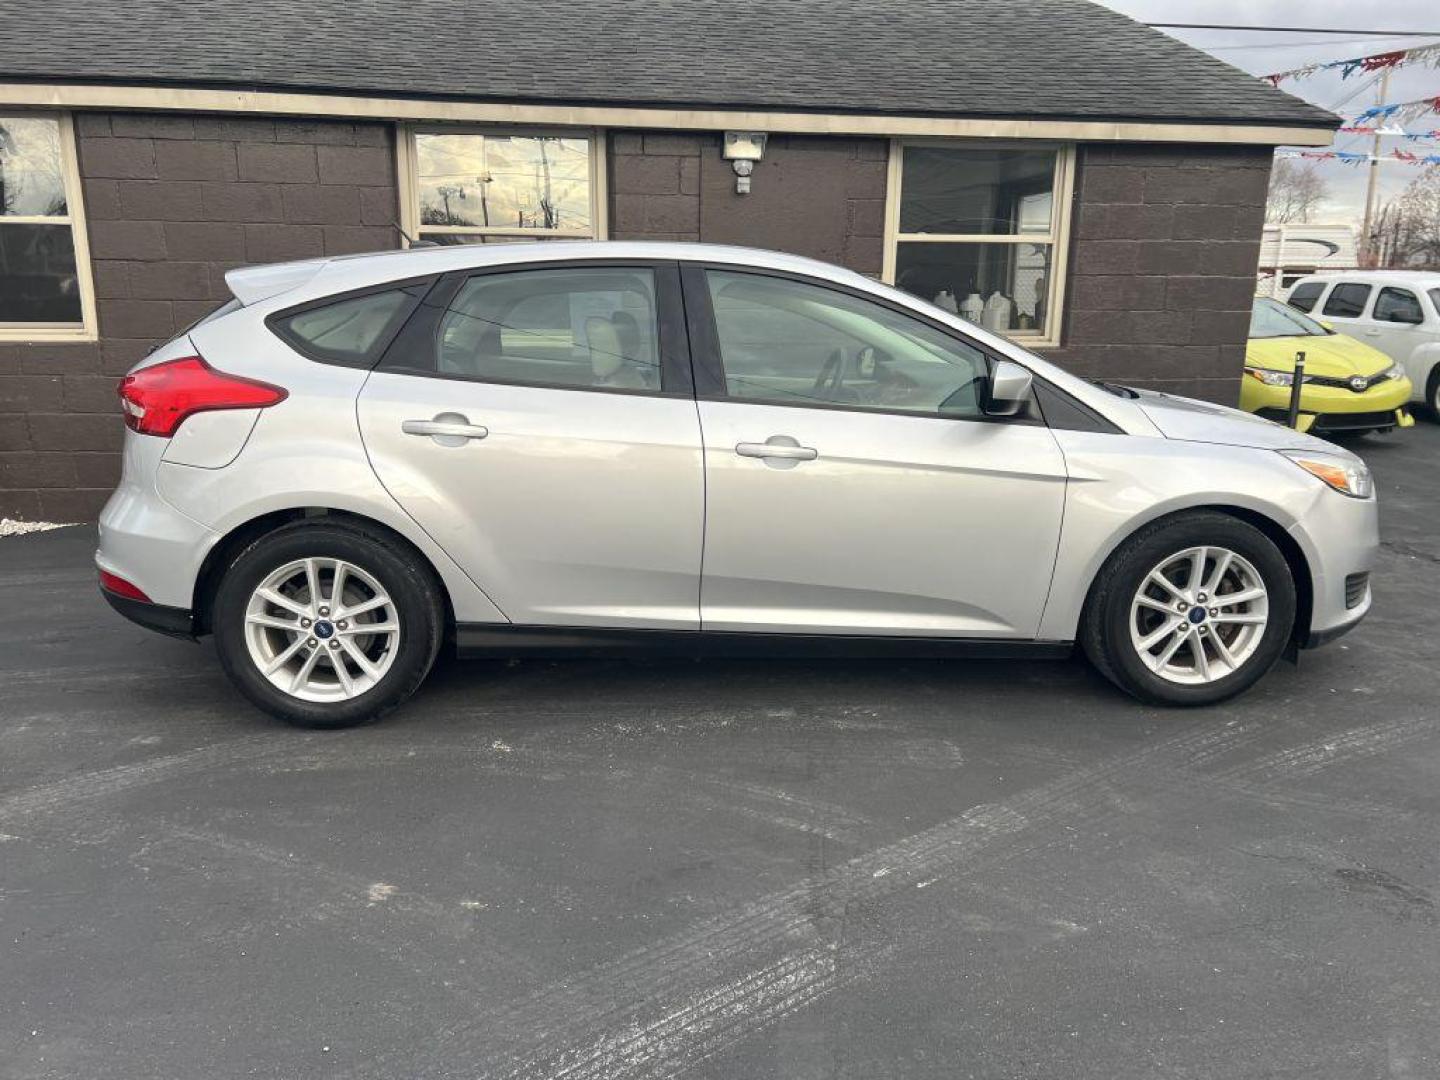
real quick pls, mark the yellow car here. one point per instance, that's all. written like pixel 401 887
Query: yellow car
pixel 1349 387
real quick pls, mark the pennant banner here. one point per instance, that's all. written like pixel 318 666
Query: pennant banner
pixel 1399 113
pixel 1364 129
pixel 1423 54
pixel 1348 158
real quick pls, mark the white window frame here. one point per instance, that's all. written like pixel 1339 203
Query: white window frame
pixel 74 217
pixel 410 183
pixel 1058 237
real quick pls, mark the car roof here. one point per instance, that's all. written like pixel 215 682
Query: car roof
pixel 319 277
pixel 1423 279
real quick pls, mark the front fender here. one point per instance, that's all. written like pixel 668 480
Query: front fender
pixel 1118 484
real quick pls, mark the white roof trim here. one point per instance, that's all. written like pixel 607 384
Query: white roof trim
pixel 180 99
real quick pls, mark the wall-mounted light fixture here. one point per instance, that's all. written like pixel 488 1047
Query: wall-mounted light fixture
pixel 742 149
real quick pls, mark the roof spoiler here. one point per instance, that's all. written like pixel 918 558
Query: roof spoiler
pixel 251 284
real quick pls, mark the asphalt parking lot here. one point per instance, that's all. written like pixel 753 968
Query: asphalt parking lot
pixel 724 870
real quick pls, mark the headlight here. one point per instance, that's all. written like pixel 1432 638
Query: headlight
pixel 1346 475
pixel 1271 378
pixel 1395 371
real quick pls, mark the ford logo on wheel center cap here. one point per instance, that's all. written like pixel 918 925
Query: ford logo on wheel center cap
pixel 324 628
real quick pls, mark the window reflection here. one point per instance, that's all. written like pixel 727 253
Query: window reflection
pixel 976 192
pixel 487 181
pixel 32 183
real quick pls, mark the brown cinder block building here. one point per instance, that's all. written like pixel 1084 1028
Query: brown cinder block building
pixel 1074 179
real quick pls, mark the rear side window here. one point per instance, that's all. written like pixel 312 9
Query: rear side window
pixel 1304 296
pixel 1347 301
pixel 587 328
pixel 1435 300
pixel 1398 305
pixel 351 331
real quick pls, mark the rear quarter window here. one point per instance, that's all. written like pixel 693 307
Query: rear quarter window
pixel 351 330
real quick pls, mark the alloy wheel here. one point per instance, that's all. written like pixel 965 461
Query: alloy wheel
pixel 322 629
pixel 1199 615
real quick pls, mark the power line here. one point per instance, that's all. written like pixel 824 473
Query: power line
pixel 1287 44
pixel 1295 30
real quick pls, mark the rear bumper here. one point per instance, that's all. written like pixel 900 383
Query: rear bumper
pixel 144 539
pixel 172 621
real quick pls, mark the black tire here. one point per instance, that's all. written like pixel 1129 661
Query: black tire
pixel 1432 393
pixel 1105 623
pixel 409 582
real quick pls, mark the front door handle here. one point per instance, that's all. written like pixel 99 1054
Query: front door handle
pixel 779 447
pixel 447 429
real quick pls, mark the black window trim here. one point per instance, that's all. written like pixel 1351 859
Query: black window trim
pixel 671 342
pixel 710 374
pixel 418 288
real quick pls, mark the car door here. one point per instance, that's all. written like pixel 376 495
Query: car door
pixel 1346 306
pixel 539 424
pixel 1397 324
pixel 853 484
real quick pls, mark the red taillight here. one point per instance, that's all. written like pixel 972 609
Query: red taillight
pixel 120 587
pixel 157 399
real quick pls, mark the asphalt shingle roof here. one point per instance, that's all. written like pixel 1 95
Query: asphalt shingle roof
pixel 975 58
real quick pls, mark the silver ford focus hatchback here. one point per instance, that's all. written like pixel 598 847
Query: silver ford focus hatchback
pixel 589 448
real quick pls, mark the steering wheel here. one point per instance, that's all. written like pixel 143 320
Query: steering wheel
pixel 832 375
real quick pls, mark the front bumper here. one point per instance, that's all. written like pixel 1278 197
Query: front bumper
pixel 1340 538
pixel 1332 408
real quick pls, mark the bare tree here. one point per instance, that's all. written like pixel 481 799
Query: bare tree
pixel 1409 227
pixel 1296 191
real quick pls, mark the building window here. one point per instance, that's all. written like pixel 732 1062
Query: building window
pixel 499 186
pixel 45 292
pixel 981 229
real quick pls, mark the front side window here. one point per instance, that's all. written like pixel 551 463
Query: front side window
pixel 1347 301
pixel 44 268
pixel 590 328
pixel 980 231
pixel 488 187
pixel 791 343
pixel 1398 305
pixel 1303 297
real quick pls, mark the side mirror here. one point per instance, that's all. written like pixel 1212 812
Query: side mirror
pixel 1009 389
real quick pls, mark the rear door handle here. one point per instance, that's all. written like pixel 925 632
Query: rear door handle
pixel 783 447
pixel 447 429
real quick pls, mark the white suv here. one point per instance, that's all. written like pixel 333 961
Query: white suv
pixel 1396 311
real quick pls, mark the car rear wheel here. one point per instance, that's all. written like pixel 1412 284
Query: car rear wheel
pixel 328 624
pixel 1190 611
pixel 1432 393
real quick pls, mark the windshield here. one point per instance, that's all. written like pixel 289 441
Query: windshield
pixel 1271 319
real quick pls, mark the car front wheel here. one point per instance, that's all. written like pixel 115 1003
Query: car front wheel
pixel 1191 610
pixel 327 624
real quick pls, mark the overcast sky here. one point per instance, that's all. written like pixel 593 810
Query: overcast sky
pixel 1261 54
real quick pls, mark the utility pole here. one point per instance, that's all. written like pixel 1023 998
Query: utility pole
pixel 1367 246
